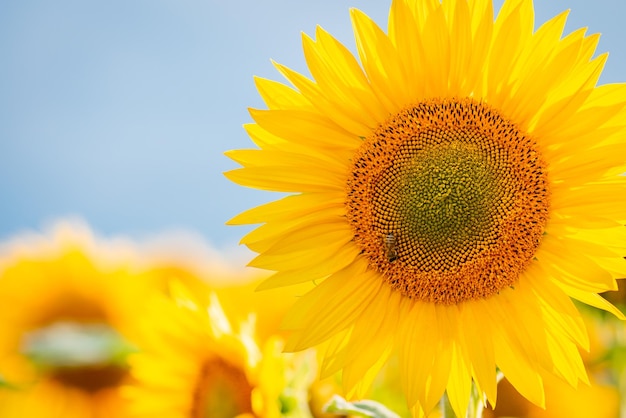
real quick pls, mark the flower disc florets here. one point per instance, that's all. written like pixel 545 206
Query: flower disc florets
pixel 448 200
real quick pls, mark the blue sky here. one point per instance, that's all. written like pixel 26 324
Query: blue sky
pixel 119 112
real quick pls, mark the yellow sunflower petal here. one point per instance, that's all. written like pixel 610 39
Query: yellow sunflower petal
pixel 341 113
pixel 264 237
pixel 300 204
pixel 379 59
pixel 340 307
pixel 322 268
pixel 460 384
pixel 479 349
pixel 338 73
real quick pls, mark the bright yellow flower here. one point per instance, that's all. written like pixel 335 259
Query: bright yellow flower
pixel 67 309
pixel 193 364
pixel 450 193
pixel 233 284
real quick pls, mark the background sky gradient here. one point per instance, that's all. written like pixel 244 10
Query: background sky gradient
pixel 119 112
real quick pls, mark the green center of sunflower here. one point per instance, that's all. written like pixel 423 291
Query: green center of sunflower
pixel 443 202
pixel 222 391
pixel 448 200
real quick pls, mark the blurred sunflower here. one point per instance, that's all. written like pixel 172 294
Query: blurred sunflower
pixel 66 314
pixel 194 364
pixel 450 194
pixel 598 400
pixel 235 289
pixel 188 258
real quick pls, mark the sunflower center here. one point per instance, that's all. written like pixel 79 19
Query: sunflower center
pixel 222 391
pixel 88 357
pixel 448 201
pixel 92 378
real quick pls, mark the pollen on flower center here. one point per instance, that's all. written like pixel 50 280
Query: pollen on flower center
pixel 448 200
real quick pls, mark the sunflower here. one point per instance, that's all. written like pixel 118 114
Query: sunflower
pixel 450 195
pixel 67 312
pixel 235 288
pixel 193 363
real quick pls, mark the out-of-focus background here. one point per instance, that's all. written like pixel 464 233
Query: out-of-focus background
pixel 119 112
